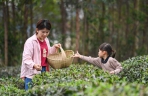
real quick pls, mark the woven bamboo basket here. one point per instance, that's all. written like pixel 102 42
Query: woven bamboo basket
pixel 60 60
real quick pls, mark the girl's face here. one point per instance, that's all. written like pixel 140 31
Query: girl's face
pixel 42 34
pixel 101 53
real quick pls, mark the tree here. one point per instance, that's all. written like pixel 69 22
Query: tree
pixel 63 24
pixel 77 27
pixel 5 14
pixel 136 5
pixel 26 12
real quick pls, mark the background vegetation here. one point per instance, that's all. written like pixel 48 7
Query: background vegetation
pixel 77 24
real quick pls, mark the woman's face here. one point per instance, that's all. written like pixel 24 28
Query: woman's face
pixel 42 34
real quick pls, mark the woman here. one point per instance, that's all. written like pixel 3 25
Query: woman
pixel 36 49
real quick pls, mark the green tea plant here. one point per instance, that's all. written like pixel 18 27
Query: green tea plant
pixel 135 69
pixel 83 80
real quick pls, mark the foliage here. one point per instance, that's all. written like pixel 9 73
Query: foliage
pixel 9 71
pixel 135 69
pixel 83 80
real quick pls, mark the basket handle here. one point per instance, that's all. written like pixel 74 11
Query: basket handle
pixel 63 53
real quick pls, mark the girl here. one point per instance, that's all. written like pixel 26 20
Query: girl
pixel 105 60
pixel 36 49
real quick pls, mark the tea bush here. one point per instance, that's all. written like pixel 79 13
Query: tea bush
pixel 9 71
pixel 83 80
pixel 135 69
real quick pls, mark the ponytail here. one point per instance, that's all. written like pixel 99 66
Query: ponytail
pixel 113 54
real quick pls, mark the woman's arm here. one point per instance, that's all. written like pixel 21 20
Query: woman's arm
pixel 27 56
pixel 54 48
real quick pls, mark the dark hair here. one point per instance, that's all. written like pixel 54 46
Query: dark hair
pixel 107 47
pixel 41 24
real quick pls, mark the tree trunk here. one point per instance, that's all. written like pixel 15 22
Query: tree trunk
pixel 85 35
pixel 31 17
pixel 145 30
pixel 5 14
pixel 26 10
pixel 136 28
pixel 13 16
pixel 77 29
pixel 127 16
pixel 119 32
pixel 102 23
pixel 72 28
pixel 127 33
pixel 63 26
pixel 8 16
pixel 111 11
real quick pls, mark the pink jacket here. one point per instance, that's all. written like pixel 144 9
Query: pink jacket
pixel 32 55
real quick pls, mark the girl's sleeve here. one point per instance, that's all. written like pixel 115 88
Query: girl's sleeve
pixel 116 65
pixel 28 54
pixel 94 61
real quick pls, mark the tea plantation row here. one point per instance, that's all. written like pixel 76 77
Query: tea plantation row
pixel 83 80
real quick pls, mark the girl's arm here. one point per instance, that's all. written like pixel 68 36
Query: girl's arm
pixel 94 61
pixel 115 64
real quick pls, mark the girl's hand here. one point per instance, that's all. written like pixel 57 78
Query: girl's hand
pixel 77 55
pixel 112 72
pixel 37 67
pixel 57 45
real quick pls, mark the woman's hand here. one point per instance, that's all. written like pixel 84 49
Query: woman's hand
pixel 77 55
pixel 57 45
pixel 37 67
pixel 23 78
